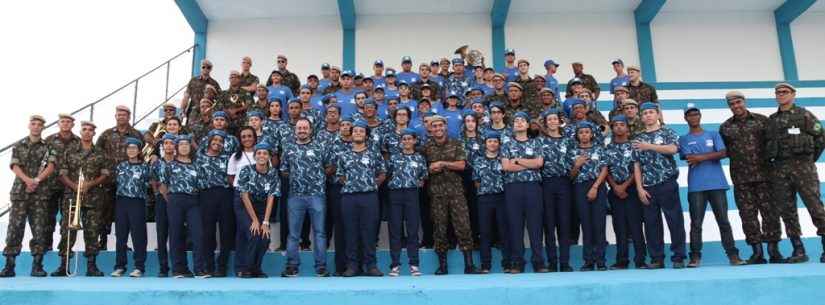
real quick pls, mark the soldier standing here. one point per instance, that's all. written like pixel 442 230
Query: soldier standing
pixel 89 160
pixel 447 161
pixel 744 135
pixel 195 90
pixel 249 81
pixel 290 79
pixel 32 161
pixel 794 142
pixel 113 145
pixel 59 142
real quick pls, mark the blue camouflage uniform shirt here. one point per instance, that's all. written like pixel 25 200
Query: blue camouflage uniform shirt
pixel 554 151
pixel 305 165
pixel 259 185
pixel 489 175
pixel 620 161
pixel 657 168
pixel 359 170
pixel 214 170
pixel 570 132
pixel 132 179
pixel 182 178
pixel 230 145
pixel 596 160
pixel 473 147
pixel 406 171
pixel 529 149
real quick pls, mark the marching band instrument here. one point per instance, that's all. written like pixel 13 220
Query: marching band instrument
pixel 73 220
pixel 149 148
pixel 473 57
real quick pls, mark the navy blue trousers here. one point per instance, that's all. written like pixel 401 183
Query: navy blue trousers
pixel 253 247
pixel 360 215
pixel 491 214
pixel 185 208
pixel 130 219
pixel 524 206
pixel 404 209
pixel 627 217
pixel 335 225
pixel 557 193
pixel 664 199
pixel 593 217
pixel 217 208
pixel 162 232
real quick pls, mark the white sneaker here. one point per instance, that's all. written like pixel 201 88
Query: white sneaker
pixel 118 272
pixel 395 271
pixel 414 271
pixel 136 273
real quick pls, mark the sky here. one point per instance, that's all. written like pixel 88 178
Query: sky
pixel 61 55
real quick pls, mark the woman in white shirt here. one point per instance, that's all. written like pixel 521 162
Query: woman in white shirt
pixel 242 158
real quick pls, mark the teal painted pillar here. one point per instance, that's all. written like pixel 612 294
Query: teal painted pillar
pixel 644 14
pixel 498 19
pixel 783 16
pixel 346 8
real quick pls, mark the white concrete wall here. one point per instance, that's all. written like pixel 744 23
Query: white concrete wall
pixel 808 33
pixel 306 41
pixel 422 37
pixel 593 39
pixel 701 46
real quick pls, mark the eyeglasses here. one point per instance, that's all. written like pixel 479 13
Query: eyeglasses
pixel 206 67
pixel 168 110
pixel 782 92
pixel 281 61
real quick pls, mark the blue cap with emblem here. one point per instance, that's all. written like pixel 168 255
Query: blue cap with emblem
pixel 219 114
pixel 360 123
pixel 477 88
pixel 691 107
pixel 183 138
pixel 255 113
pixel 263 146
pixel 454 94
pixel 521 114
pixel 573 102
pixel 389 73
pixel 509 52
pixel 378 63
pixel 549 62
pixel 458 61
pixel 347 118
pixel 648 105
pixel 325 66
pixel 347 73
pixel 370 103
pixel 619 118
pixel 406 59
pixel 134 141
pixel 403 83
pixel 468 112
pixel 492 134
pixel 379 87
pixel 409 132
pixel 216 132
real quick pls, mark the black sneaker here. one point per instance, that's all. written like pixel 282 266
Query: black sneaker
pixel 619 266
pixel 678 265
pixel 219 273
pixel 203 275
pixel 587 267
pixel 601 267
pixel 656 265
pixel 642 266
pixel 184 274
pixel 245 275
pixel 290 271
pixel 322 272
pixel 565 267
pixel 350 273
pixel 259 274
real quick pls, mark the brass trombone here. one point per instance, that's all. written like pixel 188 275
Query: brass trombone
pixel 74 223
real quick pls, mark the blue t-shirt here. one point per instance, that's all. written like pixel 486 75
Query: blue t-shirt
pixel 619 81
pixel 454 122
pixel 707 175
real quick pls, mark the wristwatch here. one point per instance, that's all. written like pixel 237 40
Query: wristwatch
pixel 36 180
pixel 266 223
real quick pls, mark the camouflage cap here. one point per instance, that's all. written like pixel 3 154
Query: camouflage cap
pixel 621 88
pixel 785 85
pixel 123 108
pixel 88 123
pixel 734 95
pixel 170 105
pixel 61 116
pixel 37 117
pixel 634 67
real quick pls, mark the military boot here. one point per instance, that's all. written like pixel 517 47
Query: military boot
pixel 469 267
pixel 758 256
pixel 37 266
pixel 63 269
pixel 822 257
pixel 8 269
pixel 442 264
pixel 798 255
pixel 91 267
pixel 775 257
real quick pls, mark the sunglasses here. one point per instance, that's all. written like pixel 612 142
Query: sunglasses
pixel 782 92
pixel 206 67
pixel 281 61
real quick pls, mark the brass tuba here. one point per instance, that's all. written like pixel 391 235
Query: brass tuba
pixel 473 57
pixel 73 220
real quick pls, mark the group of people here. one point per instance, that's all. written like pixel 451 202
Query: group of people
pixel 451 156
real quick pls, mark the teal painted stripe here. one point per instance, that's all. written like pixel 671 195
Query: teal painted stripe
pixel 683 191
pixel 678 104
pixel 726 161
pixel 498 19
pixel 720 85
pixel 644 14
pixel 683 128
pixel 783 17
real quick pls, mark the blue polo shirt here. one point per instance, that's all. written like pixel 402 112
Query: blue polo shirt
pixel 707 175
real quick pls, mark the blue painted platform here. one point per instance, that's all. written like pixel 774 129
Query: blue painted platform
pixel 714 283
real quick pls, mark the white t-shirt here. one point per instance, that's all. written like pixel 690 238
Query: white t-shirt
pixel 235 165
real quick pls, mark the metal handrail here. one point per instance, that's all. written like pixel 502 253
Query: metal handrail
pixel 135 119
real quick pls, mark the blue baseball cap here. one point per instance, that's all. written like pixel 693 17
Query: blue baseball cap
pixel 327 97
pixel 551 111
pixel 183 138
pixel 575 102
pixel 409 132
pixel 691 107
pixel 648 105
pixel 617 61
pixel 370 102
pixel 347 118
pixel 168 137
pixel 347 73
pixel 576 80
pixel 550 62
pixel 219 114
pixel 619 118
pixel 492 134
pixel 216 132
pixel 521 114
pixel 134 141
pixel 467 112
pixel 389 73
pixel 584 124
pixel 477 88
pixel 256 113
pixel 458 61
pixel 406 59
pixel 403 83
pixel 360 123
pixel 263 146
pixel 378 62
pixel 498 105
pixel 378 87
pixel 509 52
pixel 434 62
pixel 325 66
pixel 454 94
pixel 294 101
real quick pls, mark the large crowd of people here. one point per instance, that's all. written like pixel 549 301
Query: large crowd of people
pixel 452 156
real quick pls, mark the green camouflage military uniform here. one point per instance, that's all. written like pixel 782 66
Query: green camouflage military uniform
pixel 233 96
pixel 501 98
pixel 195 89
pixel 248 79
pixel 93 164
pixel 59 146
pixel 292 81
pixel 447 196
pixel 643 93
pixel 745 139
pixel 32 158
pixel 795 140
